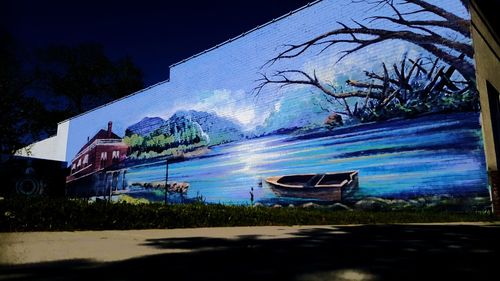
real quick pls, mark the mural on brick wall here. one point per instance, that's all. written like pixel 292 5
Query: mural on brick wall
pixel 368 103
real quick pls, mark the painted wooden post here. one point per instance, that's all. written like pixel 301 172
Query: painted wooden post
pixel 123 179
pixel 111 186
pixel 166 181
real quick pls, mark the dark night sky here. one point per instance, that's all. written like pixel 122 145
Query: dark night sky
pixel 155 34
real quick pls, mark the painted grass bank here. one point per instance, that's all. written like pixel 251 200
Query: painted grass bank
pixel 45 214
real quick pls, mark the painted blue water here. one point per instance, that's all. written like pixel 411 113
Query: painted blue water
pixel 437 154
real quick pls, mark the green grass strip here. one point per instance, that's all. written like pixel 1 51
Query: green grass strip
pixel 48 214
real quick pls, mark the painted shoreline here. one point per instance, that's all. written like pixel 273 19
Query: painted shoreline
pixel 198 152
pixel 443 202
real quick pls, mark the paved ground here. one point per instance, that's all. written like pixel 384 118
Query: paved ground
pixel 365 252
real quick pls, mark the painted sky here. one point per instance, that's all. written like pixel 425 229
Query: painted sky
pixel 221 80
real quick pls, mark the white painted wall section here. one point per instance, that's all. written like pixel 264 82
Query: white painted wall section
pixel 53 148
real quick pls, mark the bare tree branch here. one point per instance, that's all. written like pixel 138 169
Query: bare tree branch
pixel 359 84
pixel 416 65
pixel 348 109
pixel 465 3
pixel 389 98
pixel 405 90
pixel 282 79
pixel 451 21
pixel 373 75
pixel 464 67
pixel 427 42
pixel 455 22
pixel 402 21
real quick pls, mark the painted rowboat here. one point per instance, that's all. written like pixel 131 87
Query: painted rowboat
pixel 327 187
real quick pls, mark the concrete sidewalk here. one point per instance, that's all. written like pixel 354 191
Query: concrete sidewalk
pixel 457 251
pixel 115 245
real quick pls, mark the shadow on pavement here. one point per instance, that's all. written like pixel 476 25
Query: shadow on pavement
pixel 372 252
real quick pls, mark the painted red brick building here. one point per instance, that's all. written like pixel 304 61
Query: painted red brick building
pixel 101 151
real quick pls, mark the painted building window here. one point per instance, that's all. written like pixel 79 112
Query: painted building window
pixel 104 155
pixel 79 163
pixel 86 160
pixel 116 154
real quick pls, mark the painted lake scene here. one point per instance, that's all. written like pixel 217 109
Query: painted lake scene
pixel 404 159
pixel 323 110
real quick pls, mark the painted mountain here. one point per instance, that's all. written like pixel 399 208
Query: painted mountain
pixel 144 127
pixel 155 137
pixel 184 130
pixel 210 127
pixel 219 129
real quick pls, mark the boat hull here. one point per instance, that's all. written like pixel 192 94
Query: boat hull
pixel 325 190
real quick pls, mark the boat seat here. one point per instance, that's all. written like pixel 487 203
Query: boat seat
pixel 312 182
